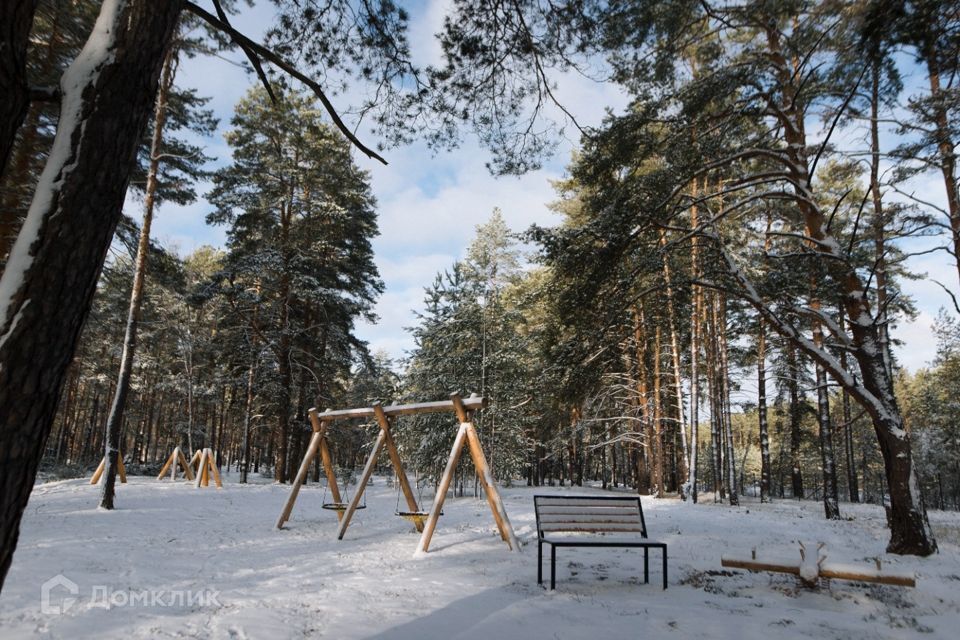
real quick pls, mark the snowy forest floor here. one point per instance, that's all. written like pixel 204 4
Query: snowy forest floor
pixel 166 539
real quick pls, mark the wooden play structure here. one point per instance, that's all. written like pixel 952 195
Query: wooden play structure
pixel 121 470
pixel 206 467
pixel 424 521
pixel 813 565
pixel 176 459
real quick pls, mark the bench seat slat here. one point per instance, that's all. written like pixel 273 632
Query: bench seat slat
pixel 588 502
pixel 617 511
pixel 591 528
pixel 599 519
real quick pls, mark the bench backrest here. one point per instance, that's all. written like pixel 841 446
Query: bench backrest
pixel 589 514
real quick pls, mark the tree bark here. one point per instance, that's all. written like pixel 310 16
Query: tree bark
pixel 51 276
pixel 16 20
pixel 831 498
pixel 724 373
pixel 796 414
pixel 115 419
pixel 677 378
pixel 696 313
pixel 764 427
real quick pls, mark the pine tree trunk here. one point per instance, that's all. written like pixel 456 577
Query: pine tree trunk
pixel 16 20
pixel 51 276
pixel 115 419
pixel 947 160
pixel 657 444
pixel 762 412
pixel 879 221
pixel 849 454
pixel 731 468
pixel 831 497
pixel 695 327
pixel 247 417
pixel 644 458
pixel 713 391
pixel 684 461
pixel 796 415
pixel 909 528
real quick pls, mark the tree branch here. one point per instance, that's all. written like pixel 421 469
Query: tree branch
pixel 268 55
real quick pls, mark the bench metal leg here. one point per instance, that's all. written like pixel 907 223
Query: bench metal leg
pixel 664 554
pixel 646 565
pixel 553 566
pixel 539 561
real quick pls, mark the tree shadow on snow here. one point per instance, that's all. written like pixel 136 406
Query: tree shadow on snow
pixel 457 619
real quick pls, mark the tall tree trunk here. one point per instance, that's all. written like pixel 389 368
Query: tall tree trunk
pixel 796 414
pixel 762 411
pixel 16 20
pixel 945 146
pixel 831 506
pixel 696 314
pixel 644 465
pixel 849 454
pixel 879 221
pixel 115 419
pixel 731 468
pixel 247 417
pixel 657 448
pixel 713 392
pixel 678 380
pixel 52 272
pixel 910 531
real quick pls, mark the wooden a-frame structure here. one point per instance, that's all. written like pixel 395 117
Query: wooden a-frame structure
pixel 466 436
pixel 176 458
pixel 121 470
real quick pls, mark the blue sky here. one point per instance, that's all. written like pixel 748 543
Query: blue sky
pixel 429 205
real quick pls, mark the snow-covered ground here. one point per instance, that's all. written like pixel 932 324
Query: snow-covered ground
pixel 174 561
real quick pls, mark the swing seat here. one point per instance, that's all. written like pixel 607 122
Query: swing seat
pixel 340 506
pixel 414 516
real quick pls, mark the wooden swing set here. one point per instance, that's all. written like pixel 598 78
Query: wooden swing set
pixel 424 521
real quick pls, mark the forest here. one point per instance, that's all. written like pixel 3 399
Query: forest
pixel 714 317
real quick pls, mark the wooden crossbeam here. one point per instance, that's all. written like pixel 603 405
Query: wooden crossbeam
pixel 472 403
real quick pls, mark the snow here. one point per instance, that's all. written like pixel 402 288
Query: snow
pixel 217 558
pixel 82 72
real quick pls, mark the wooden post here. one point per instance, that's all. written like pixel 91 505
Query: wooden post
pixel 397 464
pixel 486 478
pixel 367 472
pixel 213 469
pixel 121 470
pixel 187 471
pixel 318 433
pixel 438 499
pixel 327 461
pixel 166 465
pixel 493 496
pixel 201 470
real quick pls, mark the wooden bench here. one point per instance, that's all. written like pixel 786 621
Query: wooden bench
pixel 592 521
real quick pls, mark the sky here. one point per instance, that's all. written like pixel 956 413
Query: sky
pixel 430 204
